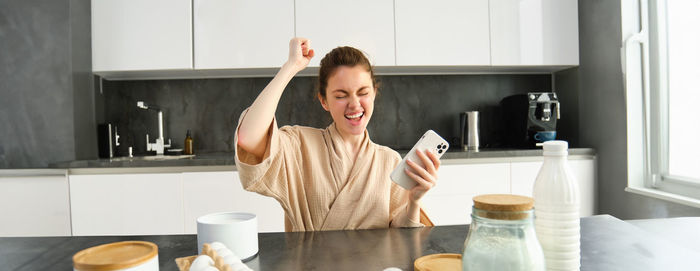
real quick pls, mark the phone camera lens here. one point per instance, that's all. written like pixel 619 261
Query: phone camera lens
pixel 439 151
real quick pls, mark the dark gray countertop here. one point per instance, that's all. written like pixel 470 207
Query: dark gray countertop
pixel 226 158
pixel 607 243
pixel 683 231
pixel 504 153
pixel 205 159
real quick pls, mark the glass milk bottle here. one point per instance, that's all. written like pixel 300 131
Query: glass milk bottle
pixel 557 203
pixel 502 235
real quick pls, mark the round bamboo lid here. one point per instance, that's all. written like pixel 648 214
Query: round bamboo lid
pixel 114 256
pixel 498 206
pixel 435 262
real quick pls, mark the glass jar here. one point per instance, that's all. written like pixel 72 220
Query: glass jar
pixel 502 235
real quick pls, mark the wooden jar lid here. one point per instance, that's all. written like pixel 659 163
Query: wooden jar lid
pixel 114 256
pixel 497 206
pixel 439 262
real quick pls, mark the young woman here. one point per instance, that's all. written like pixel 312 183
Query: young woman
pixel 333 178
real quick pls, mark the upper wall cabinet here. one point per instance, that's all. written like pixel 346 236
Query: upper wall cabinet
pixel 155 39
pixel 534 32
pixel 242 33
pixel 365 24
pixel 442 32
pixel 141 35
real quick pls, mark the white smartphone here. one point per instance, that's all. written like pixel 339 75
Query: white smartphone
pixel 429 141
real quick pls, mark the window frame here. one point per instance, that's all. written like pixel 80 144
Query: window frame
pixel 645 73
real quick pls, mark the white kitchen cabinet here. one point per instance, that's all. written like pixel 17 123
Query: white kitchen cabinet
pixel 585 172
pixel 232 34
pixel 211 192
pixel 169 203
pixel 534 32
pixel 442 32
pixel 34 205
pixel 364 24
pixel 159 39
pixel 523 175
pixel 139 35
pixel 450 201
pixel 127 204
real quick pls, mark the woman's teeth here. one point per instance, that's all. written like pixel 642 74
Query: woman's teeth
pixel 356 115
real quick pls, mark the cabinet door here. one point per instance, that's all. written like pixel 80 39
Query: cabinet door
pixel 367 25
pixel 34 206
pixel 141 35
pixel 534 32
pixel 127 204
pixel 585 172
pixel 442 32
pixel 212 192
pixel 242 33
pixel 523 175
pixel 450 201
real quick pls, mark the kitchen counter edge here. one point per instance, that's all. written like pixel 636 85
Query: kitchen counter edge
pixel 225 161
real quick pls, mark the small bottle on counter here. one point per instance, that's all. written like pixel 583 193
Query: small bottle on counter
pixel 188 144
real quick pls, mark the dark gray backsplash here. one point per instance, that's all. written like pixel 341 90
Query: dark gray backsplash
pixel 406 107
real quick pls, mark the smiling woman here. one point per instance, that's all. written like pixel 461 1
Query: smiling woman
pixel 333 178
pixel 347 88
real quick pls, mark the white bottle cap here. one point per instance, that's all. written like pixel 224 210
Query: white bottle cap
pixel 555 147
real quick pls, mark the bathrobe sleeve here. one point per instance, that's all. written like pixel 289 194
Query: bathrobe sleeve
pixel 268 176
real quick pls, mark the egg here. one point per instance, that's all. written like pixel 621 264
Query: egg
pixel 201 263
pixel 217 245
pixel 224 252
pixel 231 259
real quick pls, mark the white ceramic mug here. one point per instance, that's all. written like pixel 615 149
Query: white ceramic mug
pixel 237 231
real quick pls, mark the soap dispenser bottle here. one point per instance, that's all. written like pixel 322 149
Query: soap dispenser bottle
pixel 188 144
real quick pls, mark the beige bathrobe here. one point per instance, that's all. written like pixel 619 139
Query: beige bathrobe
pixel 309 172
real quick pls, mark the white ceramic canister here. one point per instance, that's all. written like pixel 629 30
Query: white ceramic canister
pixel 118 256
pixel 237 231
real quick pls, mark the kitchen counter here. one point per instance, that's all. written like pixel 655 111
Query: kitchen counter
pixel 226 159
pixel 205 159
pixel 505 155
pixel 607 243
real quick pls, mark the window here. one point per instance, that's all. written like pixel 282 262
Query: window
pixel 661 65
pixel 683 88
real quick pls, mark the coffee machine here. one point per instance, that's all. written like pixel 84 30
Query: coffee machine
pixel 530 118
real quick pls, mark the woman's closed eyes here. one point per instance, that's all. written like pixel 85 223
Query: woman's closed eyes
pixel 340 94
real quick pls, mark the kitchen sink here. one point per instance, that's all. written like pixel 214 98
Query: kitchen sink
pixel 151 158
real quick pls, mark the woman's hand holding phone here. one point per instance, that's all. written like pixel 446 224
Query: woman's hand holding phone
pixel 417 172
pixel 425 177
pixel 300 53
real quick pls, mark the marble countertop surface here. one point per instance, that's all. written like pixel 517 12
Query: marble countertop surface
pixel 226 159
